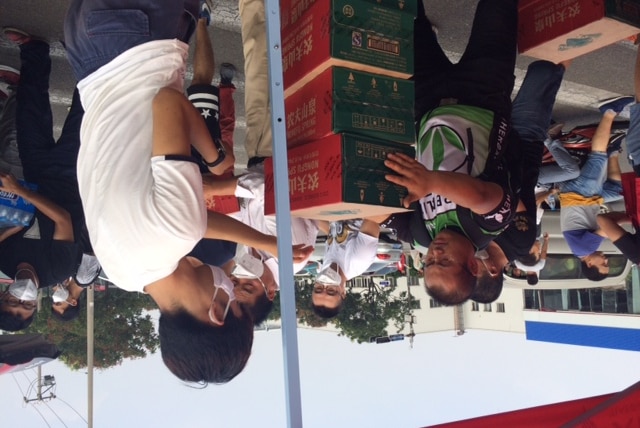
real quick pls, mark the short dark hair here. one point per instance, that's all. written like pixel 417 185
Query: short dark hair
pixel 487 289
pixel 529 259
pixel 592 273
pixel 455 297
pixel 70 313
pixel 324 312
pixel 200 352
pixel 532 278
pixel 10 322
pixel 261 309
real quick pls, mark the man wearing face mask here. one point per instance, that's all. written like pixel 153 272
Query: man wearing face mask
pixel 18 302
pixel 351 248
pixel 256 279
pixel 67 298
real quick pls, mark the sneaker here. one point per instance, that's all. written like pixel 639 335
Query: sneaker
pixel 555 130
pixel 615 144
pixel 17 36
pixel 9 75
pixel 205 10
pixel 616 104
pixel 227 73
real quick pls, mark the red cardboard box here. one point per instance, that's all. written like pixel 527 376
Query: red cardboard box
pixel 369 35
pixel 339 177
pixel 346 100
pixel 558 30
pixel 223 204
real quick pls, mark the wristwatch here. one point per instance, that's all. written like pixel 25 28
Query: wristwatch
pixel 222 154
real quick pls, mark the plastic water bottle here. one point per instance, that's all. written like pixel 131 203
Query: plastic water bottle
pixel 551 201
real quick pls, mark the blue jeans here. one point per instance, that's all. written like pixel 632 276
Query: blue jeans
pixel 533 105
pixel 97 31
pixel 566 167
pixel 530 119
pixel 592 180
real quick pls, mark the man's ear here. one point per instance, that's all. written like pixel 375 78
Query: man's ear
pixel 271 295
pixel 72 302
pixel 473 264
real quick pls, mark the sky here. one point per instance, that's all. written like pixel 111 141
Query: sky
pixel 443 378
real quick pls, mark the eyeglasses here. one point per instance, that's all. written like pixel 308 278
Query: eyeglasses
pixel 14 303
pixel 329 290
pixel 241 275
pixel 212 312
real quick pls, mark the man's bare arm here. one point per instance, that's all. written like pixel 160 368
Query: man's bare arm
pixel 479 196
pixel 177 125
pixel 63 229
pixel 221 226
pixel 609 224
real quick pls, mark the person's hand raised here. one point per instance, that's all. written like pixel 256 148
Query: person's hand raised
pixel 410 174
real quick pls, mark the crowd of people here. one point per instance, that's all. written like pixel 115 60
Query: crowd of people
pixel 122 192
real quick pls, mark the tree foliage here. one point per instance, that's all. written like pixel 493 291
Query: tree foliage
pixel 368 313
pixel 121 330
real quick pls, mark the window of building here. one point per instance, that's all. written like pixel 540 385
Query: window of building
pixel 487 307
pixel 475 307
pixel 499 307
pixel 413 280
pixel 434 304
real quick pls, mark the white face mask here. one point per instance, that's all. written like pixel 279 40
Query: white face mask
pixel 221 280
pixel 24 289
pixel 329 276
pixel 60 295
pixel 248 266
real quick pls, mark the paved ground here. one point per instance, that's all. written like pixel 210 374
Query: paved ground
pixel 595 76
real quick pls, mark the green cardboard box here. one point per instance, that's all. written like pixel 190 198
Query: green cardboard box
pixel 364 34
pixel 339 177
pixel 347 100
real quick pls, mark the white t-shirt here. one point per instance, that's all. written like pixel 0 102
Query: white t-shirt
pixel 143 214
pixel 303 231
pixel 353 251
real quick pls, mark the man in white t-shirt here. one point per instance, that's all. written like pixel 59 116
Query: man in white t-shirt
pixel 140 188
pixel 351 248
pixel 257 289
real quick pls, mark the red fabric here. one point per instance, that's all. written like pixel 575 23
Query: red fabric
pixel 631 192
pixel 227 115
pixel 552 415
pixel 611 410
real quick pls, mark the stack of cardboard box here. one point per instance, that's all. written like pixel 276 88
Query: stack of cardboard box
pixel 348 103
pixel 559 30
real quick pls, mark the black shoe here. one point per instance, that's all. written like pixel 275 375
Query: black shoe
pixel 256 160
pixel 615 144
pixel 227 73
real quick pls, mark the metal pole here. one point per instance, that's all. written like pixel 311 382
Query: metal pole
pixel 90 357
pixel 283 217
pixel 39 383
